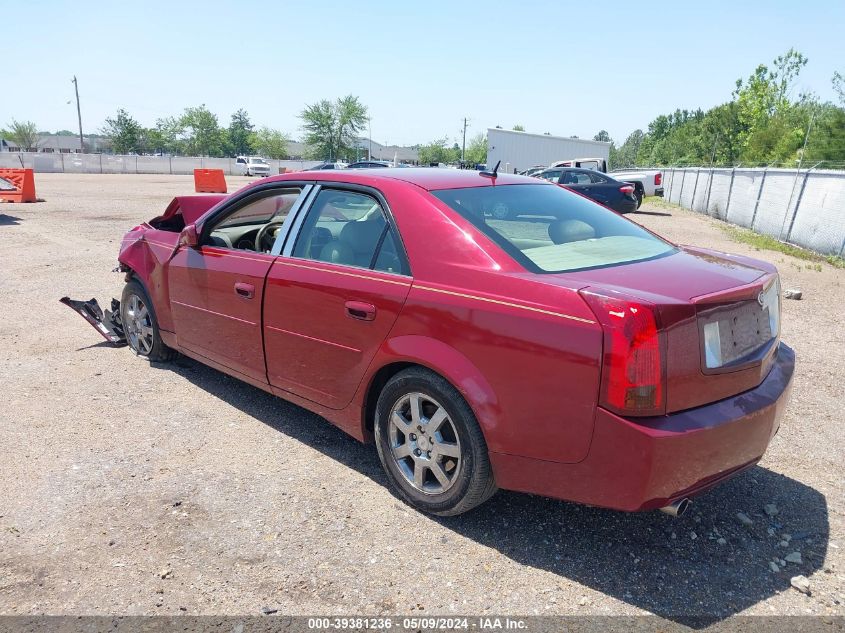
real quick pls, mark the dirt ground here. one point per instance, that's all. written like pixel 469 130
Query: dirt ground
pixel 131 488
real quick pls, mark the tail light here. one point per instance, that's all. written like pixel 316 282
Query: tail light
pixel 627 190
pixel 632 365
pixel 658 178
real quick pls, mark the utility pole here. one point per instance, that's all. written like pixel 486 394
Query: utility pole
pixel 464 146
pixel 78 114
pixel 370 135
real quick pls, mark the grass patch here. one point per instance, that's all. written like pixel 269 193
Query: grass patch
pixel 767 243
pixel 660 203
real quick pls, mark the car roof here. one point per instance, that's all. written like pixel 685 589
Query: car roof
pixel 429 178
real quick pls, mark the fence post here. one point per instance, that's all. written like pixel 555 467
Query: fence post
pixel 101 162
pixel 730 191
pixel 797 204
pixel 170 163
pixel 136 164
pixel 759 195
pixel 709 189
pixel 62 156
pixel 694 189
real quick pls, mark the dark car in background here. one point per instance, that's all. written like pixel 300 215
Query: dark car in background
pixel 328 165
pixel 600 187
pixel 369 164
pixel 374 164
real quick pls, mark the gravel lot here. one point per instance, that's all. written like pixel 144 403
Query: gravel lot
pixel 130 488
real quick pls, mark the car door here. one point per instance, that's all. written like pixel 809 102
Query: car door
pixel 333 295
pixel 216 289
pixel 606 190
pixel 578 180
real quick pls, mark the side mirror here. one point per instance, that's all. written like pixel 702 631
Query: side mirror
pixel 188 237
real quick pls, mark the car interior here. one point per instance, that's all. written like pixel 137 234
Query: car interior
pixel 345 227
pixel 554 230
pixel 342 227
pixel 254 226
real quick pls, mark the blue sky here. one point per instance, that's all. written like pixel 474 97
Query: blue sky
pixel 560 67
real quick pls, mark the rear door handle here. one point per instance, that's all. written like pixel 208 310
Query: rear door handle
pixel 360 310
pixel 245 290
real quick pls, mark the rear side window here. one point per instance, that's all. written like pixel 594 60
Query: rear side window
pixel 349 228
pixel 577 178
pixel 549 230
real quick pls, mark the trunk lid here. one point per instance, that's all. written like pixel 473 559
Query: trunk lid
pixel 703 295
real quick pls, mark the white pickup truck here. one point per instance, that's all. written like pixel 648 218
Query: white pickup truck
pixel 647 182
pixel 252 166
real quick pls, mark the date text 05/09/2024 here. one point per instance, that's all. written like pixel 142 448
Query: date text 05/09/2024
pixel 430 623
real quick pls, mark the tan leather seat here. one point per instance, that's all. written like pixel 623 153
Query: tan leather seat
pixel 355 245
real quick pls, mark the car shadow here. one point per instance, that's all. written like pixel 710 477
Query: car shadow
pixel 695 570
pixel 8 220
pixel 657 213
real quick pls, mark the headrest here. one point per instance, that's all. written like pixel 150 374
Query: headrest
pixel 564 231
pixel 362 236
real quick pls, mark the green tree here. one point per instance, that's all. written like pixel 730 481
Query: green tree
pixel 126 133
pixel 203 134
pixel 767 116
pixel 518 128
pixel 826 141
pixel 240 134
pixel 165 137
pixel 839 86
pixel 332 127
pixel 436 152
pixel 602 135
pixel 476 151
pixel 269 143
pixel 24 134
pixel 626 155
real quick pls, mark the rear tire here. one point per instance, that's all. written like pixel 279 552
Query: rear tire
pixel 639 194
pixel 140 324
pixel 430 444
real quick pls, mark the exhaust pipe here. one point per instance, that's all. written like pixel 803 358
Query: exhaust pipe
pixel 678 508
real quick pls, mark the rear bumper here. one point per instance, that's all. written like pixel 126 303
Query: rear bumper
pixel 625 205
pixel 659 192
pixel 647 463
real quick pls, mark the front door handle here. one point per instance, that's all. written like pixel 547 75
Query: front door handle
pixel 247 291
pixel 360 310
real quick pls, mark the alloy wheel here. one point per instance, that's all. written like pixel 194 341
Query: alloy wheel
pixel 424 443
pixel 138 326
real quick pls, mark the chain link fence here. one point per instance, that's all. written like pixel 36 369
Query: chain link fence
pixel 801 206
pixel 118 164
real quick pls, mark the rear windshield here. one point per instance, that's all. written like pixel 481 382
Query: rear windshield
pixel 550 230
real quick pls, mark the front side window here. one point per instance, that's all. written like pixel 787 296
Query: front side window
pixel 349 228
pixel 253 226
pixel 548 229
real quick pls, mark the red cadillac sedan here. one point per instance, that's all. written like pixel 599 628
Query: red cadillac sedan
pixel 563 350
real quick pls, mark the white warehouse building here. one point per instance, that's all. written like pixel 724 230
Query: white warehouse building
pixel 520 150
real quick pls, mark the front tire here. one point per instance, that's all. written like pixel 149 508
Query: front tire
pixel 140 324
pixel 430 444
